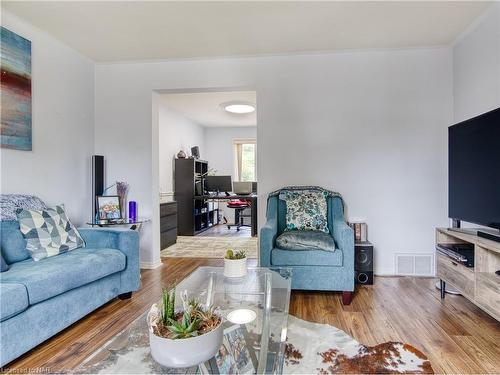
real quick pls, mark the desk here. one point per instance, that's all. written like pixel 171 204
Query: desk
pixel 223 197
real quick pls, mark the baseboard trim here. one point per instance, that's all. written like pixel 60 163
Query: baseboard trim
pixel 383 274
pixel 150 265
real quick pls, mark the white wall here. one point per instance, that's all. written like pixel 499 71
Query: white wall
pixel 176 132
pixel 220 147
pixel 476 62
pixel 58 168
pixel 371 125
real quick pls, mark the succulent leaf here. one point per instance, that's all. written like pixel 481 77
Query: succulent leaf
pixel 230 254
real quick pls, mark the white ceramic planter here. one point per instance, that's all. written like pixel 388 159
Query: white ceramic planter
pixel 235 267
pixel 184 352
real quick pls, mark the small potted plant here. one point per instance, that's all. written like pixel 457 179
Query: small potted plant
pixel 185 337
pixel 235 264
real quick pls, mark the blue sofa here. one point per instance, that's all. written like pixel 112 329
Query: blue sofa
pixel 312 269
pixel 39 299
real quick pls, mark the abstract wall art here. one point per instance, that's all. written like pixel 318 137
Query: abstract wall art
pixel 15 91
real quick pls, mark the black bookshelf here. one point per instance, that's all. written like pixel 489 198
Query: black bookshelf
pixel 194 215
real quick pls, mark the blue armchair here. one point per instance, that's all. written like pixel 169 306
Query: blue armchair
pixel 312 269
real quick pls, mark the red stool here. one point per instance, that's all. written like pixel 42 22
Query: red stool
pixel 239 205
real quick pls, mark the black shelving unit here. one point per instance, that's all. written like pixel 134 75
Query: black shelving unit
pixel 194 215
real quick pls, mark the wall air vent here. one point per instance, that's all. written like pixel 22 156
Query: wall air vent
pixel 414 264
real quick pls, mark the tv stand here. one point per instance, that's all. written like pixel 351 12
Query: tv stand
pixel 479 284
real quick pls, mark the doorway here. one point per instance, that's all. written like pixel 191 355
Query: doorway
pixel 207 168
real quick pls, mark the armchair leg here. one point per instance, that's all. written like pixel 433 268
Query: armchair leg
pixel 346 298
pixel 123 296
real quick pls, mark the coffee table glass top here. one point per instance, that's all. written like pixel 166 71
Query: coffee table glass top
pixel 255 312
pixel 255 308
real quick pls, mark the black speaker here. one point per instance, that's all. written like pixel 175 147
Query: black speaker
pixel 195 152
pixel 363 263
pixel 97 180
pixel 363 277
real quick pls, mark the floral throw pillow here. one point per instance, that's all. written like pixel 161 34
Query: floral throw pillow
pixel 306 210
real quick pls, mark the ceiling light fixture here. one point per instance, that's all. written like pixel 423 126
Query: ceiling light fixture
pixel 238 107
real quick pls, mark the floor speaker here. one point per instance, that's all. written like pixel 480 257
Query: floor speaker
pixel 363 277
pixel 363 263
pixel 97 180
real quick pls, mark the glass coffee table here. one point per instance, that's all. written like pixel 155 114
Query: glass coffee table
pixel 257 304
pixel 255 312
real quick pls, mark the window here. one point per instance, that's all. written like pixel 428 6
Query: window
pixel 245 159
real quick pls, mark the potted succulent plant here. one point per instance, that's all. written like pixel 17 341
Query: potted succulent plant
pixel 183 338
pixel 235 264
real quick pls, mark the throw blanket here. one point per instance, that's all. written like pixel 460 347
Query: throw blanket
pixel 9 203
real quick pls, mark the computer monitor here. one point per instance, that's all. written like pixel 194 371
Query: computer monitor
pixel 242 187
pixel 218 184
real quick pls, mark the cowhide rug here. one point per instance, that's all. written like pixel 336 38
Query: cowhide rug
pixel 312 348
pixel 324 349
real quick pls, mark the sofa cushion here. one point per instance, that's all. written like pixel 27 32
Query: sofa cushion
pixel 14 300
pixel 3 264
pixel 12 242
pixel 306 210
pixel 281 257
pixel 305 240
pixel 55 275
pixel 49 232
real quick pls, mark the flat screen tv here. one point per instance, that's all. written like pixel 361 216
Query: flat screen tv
pixel 474 170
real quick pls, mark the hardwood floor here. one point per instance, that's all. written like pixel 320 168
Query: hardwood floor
pixel 456 335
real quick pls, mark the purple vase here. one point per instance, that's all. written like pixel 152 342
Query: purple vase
pixel 132 211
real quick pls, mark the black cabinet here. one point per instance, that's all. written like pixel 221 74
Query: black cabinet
pixel 195 215
pixel 168 224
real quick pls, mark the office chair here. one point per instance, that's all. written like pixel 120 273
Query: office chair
pixel 239 205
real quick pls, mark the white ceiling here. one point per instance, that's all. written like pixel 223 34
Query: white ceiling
pixel 139 30
pixel 205 108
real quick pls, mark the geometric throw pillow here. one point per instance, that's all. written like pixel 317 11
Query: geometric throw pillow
pixel 306 210
pixel 48 232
